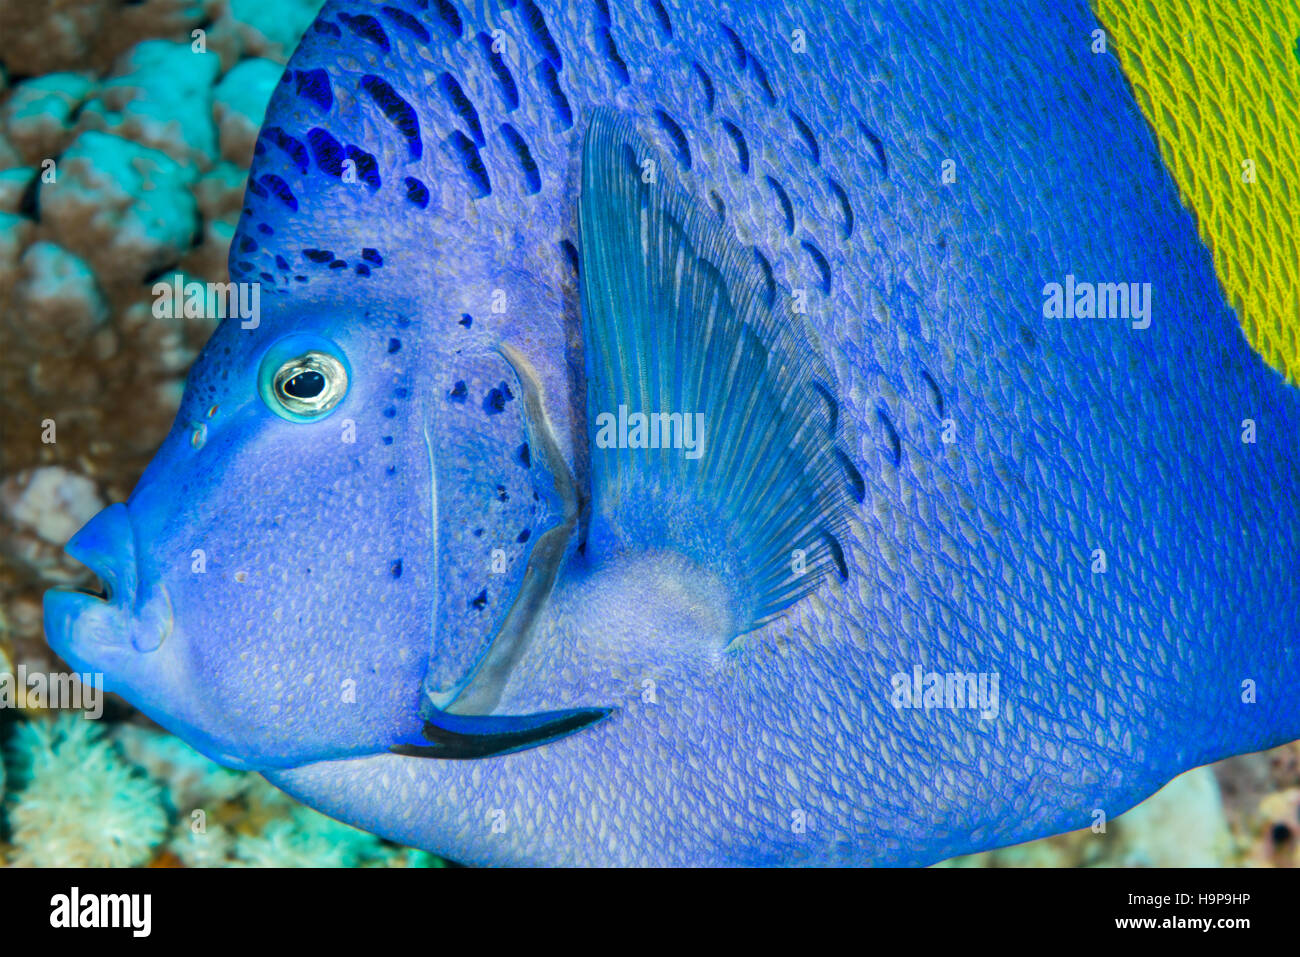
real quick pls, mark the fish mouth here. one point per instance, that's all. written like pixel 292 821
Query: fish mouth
pixel 100 591
pixel 106 546
pixel 91 626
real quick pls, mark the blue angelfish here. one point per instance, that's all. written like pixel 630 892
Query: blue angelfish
pixel 659 443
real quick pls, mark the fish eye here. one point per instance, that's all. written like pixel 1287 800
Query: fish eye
pixel 300 383
pixel 310 384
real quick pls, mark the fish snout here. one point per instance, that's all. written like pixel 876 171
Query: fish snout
pixel 85 627
pixel 106 545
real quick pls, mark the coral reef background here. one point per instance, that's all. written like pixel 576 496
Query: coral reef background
pixel 126 130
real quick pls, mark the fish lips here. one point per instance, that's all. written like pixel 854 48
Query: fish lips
pixel 102 633
pixel 122 637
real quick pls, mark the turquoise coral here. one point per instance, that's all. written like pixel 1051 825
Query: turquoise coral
pixel 78 803
pixel 86 796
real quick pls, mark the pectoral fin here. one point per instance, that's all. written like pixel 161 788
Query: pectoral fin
pixel 714 419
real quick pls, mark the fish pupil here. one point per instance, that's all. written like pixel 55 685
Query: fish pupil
pixel 305 385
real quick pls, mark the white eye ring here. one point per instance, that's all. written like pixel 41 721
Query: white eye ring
pixel 311 384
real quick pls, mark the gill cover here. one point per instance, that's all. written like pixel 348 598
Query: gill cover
pixel 505 509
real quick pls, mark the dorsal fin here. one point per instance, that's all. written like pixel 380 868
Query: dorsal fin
pixel 677 321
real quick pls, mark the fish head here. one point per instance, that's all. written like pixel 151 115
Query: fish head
pixel 297 582
pixel 269 580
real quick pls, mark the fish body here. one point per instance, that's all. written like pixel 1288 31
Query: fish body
pixel 1062 507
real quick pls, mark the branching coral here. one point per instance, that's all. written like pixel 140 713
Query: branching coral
pixel 78 804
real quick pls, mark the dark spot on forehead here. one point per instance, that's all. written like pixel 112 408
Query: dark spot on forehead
pixel 450 17
pixel 540 33
pixel 367 167
pixel 280 190
pixel 461 104
pixel 288 145
pixel 326 151
pixel 314 85
pixel 472 162
pixel 366 27
pixel 505 79
pixel 404 21
pixel 416 192
pixel 524 156
pixel 398 111
pixel 550 81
